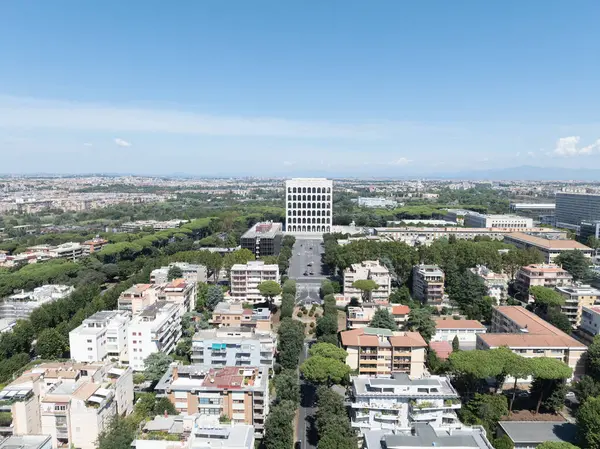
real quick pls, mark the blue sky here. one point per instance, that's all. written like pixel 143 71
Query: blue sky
pixel 277 87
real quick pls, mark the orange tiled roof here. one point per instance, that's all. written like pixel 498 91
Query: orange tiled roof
pixel 400 310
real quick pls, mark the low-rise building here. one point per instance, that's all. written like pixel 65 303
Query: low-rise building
pixel 190 273
pixel 20 305
pixel 245 279
pixel 543 275
pixel 400 401
pixel 239 393
pixel 496 283
pixel 477 220
pixel 375 202
pixel 263 239
pixel 428 284
pixel 368 270
pixel 157 328
pixel 465 330
pixel 400 314
pixel 425 436
pixel 233 346
pixel 576 297
pixel 550 247
pixel 102 336
pixel 530 434
pixel 228 314
pixel 93 245
pixel 381 352
pixel 528 335
pixel 360 316
pixel 589 325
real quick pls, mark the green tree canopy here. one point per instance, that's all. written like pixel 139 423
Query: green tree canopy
pixel 328 350
pixel 366 286
pixel 419 320
pixel 455 344
pixel 214 295
pixel 269 289
pixel 156 365
pixel 588 423
pixel 327 325
pixel 546 297
pixel 401 296
pixel 287 386
pixel 556 445
pixel 321 370
pixel 586 387
pixel 383 319
pixel 174 273
pixel 289 287
pixel 51 344
pixel 326 288
pixel 593 359
pixel 279 431
pixel 575 263
pixel 546 372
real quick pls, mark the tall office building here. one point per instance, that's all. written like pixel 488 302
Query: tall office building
pixel 573 208
pixel 308 205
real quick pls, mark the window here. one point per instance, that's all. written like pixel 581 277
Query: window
pixel 89 341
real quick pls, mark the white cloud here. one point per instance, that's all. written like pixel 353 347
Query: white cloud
pixel 401 161
pixel 530 154
pixel 88 144
pixel 569 146
pixel 122 143
pixel 289 163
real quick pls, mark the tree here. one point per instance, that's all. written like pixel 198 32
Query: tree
pixel 419 320
pixel 556 445
pixel 593 359
pixel 174 273
pixel 559 320
pixel 326 288
pixel 269 289
pixel 287 386
pixel 327 325
pixel 330 306
pixel 51 344
pixel 318 369
pixel 593 242
pixel 239 256
pixel 287 305
pixel 163 405
pixel 156 365
pixel 184 348
pixel 455 344
pixel 586 387
pixel 588 423
pixel 214 296
pixel 554 391
pixel 575 263
pixel 434 364
pixel 401 296
pixel 289 287
pixel 517 367
pixel 545 298
pixel 291 342
pixel 546 372
pixel 119 434
pixel 279 432
pixel 328 350
pixel 366 286
pixel 383 319
pixel 504 442
pixel 486 409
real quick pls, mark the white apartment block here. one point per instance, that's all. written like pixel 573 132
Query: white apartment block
pixel 138 297
pixel 309 205
pixel 71 402
pixel 428 284
pixel 360 317
pixel 590 322
pixel 426 436
pixel 465 330
pixel 102 336
pixel 496 283
pixel 245 278
pixel 178 291
pixel 399 402
pixel 191 273
pixel 576 297
pixel 20 305
pixel 155 329
pixel 368 270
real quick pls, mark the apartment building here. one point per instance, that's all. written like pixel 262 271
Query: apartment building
pixel 191 273
pixel 576 297
pixel 400 402
pixel 102 336
pixel 194 432
pixel 138 297
pixel 233 314
pixel 93 245
pixel 426 436
pixel 233 346
pixel 428 284
pixel 26 442
pixel 70 250
pixel 368 270
pixel 400 314
pixel 589 325
pixel 245 279
pixel 543 275
pixel 180 292
pixel 238 393
pixel 465 330
pixel 527 334
pixel 359 317
pixel 157 328
pixel 573 208
pixel 309 205
pixel 71 402
pixel 21 305
pixel 381 352
pixel 496 283
pixel 263 239
pixel 549 247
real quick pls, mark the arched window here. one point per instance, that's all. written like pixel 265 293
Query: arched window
pixel 289 190
pixel 328 191
pixel 318 213
pixel 327 228
pixel 294 189
pixel 294 198
pixel 328 197
pixel 314 190
pixel 303 189
pixel 318 189
pixel 314 228
pixel 314 213
pixel 303 228
pixel 328 213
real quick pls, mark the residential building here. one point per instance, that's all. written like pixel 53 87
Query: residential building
pixel 425 436
pixel 233 346
pixel 100 337
pixel 476 220
pixel 527 334
pixel 400 402
pixel 26 442
pixel 400 314
pixel 576 297
pixel 549 247
pixel 93 245
pixel 138 297
pixel 359 317
pixel 375 202
pixel 443 349
pixel 530 434
pixel 153 224
pixel 180 292
pixel 381 352
pixel 234 314
pixel 245 279
pixel 428 284
pixel 465 330
pixel 238 393
pixel 589 326
pixel 157 328
pixel 496 283
pixel 309 205
pixel 71 402
pixel 70 250
pixel 543 275
pixel 194 432
pixel 368 270
pixel 573 208
pixel 191 273
pixel 263 239
pixel 20 305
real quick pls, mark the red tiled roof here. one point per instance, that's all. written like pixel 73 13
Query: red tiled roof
pixel 229 377
pixel 400 310
pixel 443 349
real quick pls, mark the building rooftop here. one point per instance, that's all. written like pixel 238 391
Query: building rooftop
pixel 400 310
pixel 370 336
pixel 203 377
pixel 545 268
pixel 371 385
pixel 263 230
pixel 458 324
pixel 443 349
pixel 254 265
pixel 536 432
pixel 26 442
pixel 579 290
pixel 551 244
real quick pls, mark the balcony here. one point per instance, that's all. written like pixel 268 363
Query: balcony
pixel 386 417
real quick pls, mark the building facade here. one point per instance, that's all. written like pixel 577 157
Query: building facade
pixel 465 330
pixel 21 305
pixel 576 297
pixel 228 314
pixel 542 275
pixel 102 336
pixel 549 247
pixel 191 273
pixel 263 239
pixel 309 205
pixel 573 208
pixel 428 284
pixel 496 283
pixel 368 270
pixel 476 220
pixel 589 326
pixel 425 436
pixel 245 279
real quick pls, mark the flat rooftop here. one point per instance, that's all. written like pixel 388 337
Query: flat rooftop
pixel 536 432
pixel 263 230
pixel 26 442
pixel 551 244
pixel 364 385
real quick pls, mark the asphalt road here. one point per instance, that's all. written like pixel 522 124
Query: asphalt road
pixel 306 431
pixel 305 251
